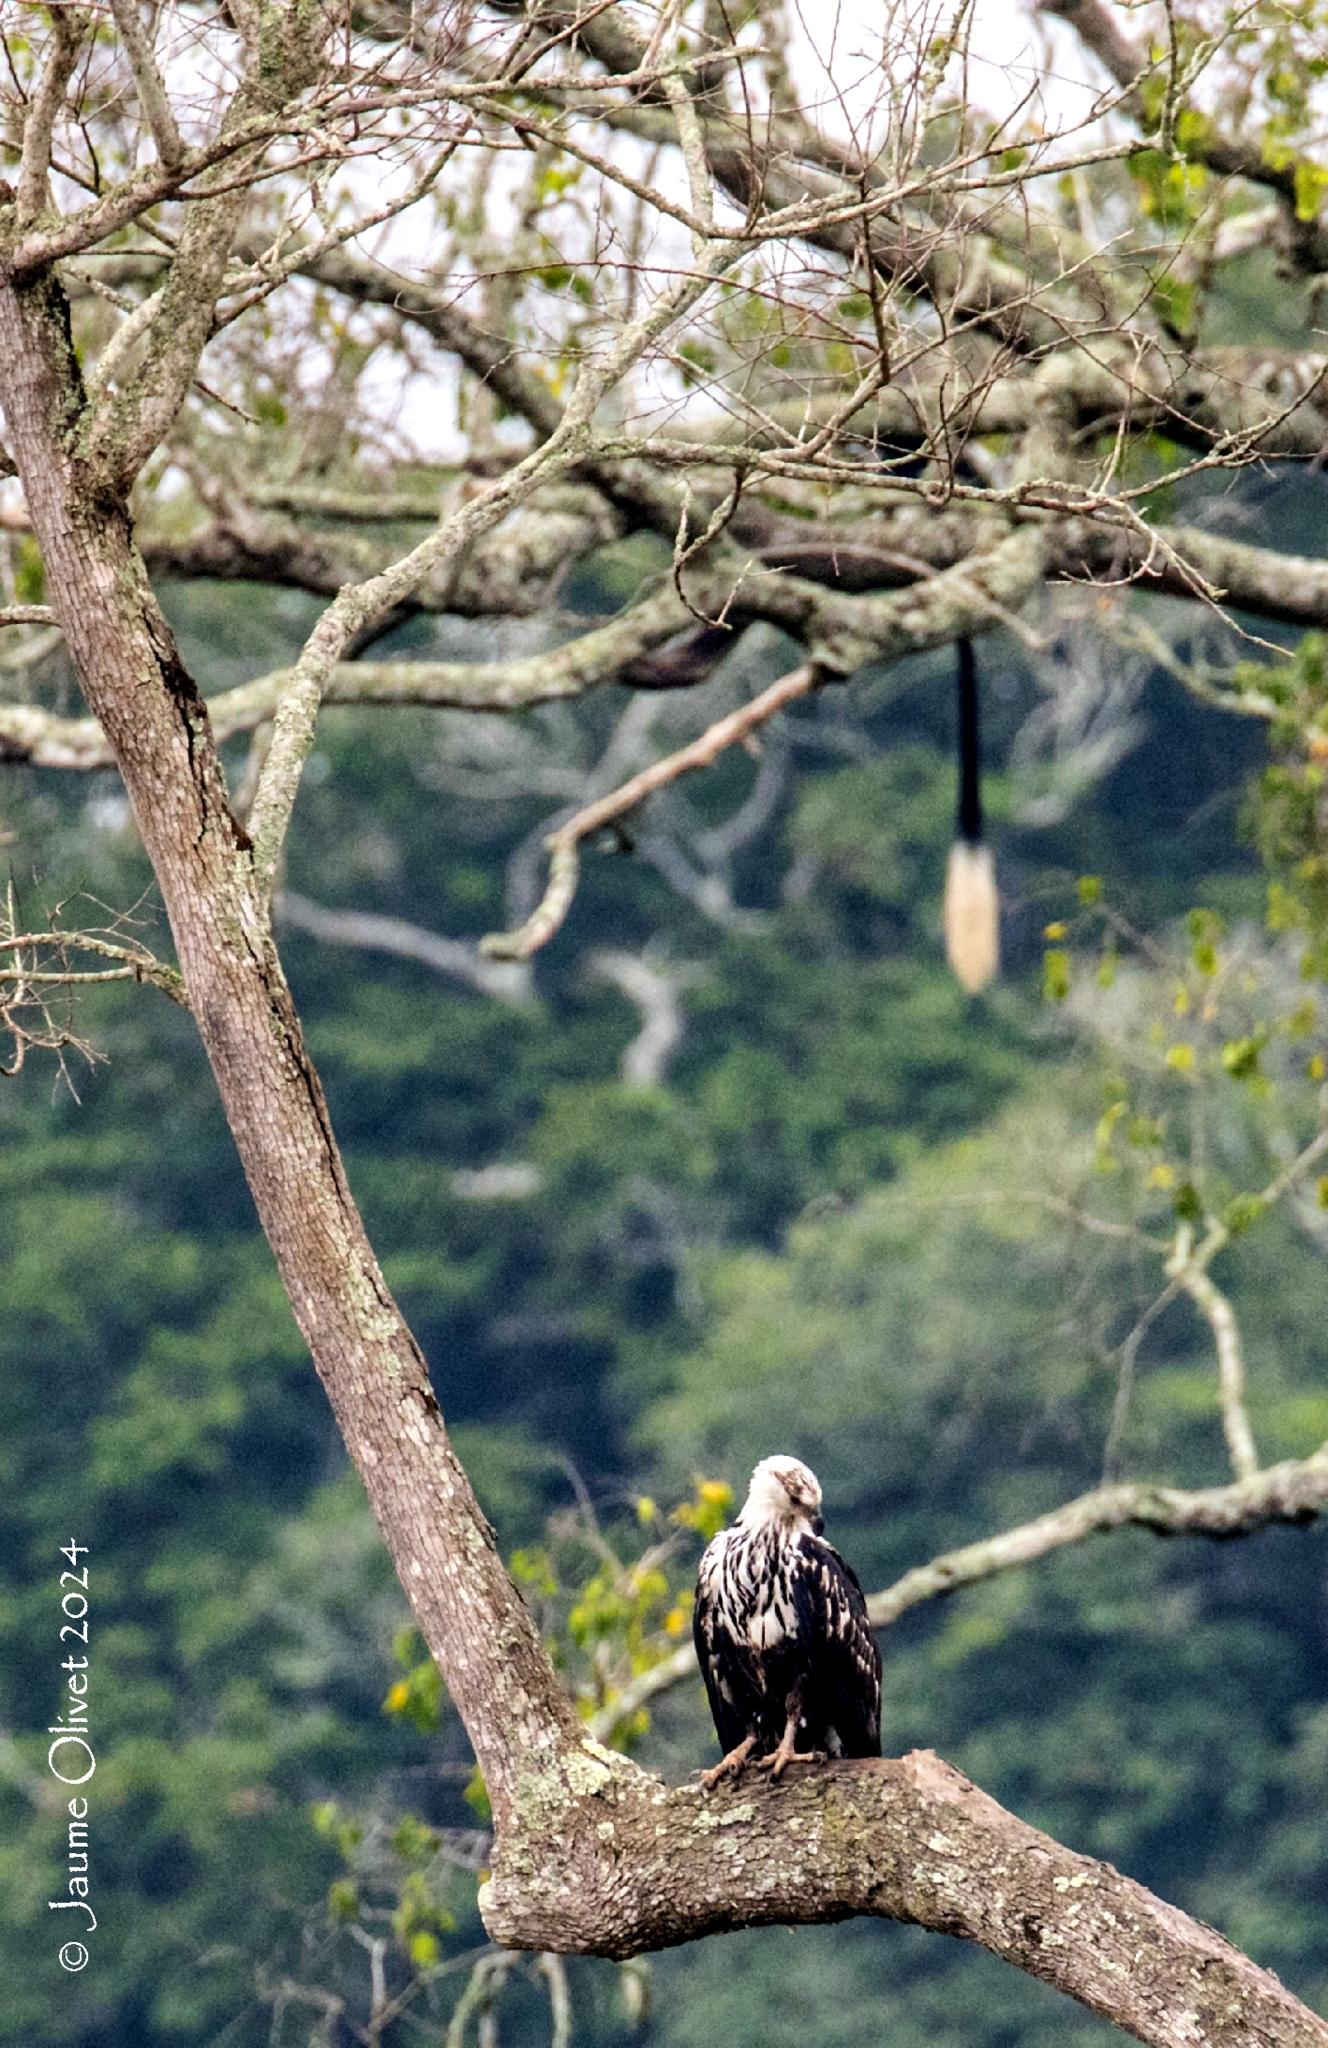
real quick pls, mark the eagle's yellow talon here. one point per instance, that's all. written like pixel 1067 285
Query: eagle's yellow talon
pixel 730 1766
pixel 775 1764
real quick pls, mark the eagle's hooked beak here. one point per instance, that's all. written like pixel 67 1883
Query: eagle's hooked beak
pixel 818 1525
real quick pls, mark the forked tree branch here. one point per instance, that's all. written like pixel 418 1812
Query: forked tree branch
pixel 69 26
pixel 153 98
pixel 359 605
pixel 20 953
pixel 1188 1267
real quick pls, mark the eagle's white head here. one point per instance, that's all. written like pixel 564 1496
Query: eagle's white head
pixel 784 1491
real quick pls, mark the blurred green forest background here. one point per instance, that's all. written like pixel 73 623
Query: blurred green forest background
pixel 806 1235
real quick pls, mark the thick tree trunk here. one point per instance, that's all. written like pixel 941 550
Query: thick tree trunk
pixel 369 1362
pixel 593 1854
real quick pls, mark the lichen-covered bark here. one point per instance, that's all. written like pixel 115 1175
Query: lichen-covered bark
pixel 1294 1491
pixel 612 1862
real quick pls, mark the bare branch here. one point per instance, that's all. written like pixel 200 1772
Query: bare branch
pixel 357 606
pixel 26 615
pixel 554 1973
pixel 152 95
pixel 548 916
pixel 654 990
pixel 136 963
pixel 907 1839
pixel 1188 1267
pixel 1296 1491
pixel 128 424
pixel 505 982
pixel 69 26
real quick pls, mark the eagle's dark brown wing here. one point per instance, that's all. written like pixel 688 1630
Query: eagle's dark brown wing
pixel 722 1659
pixel 841 1657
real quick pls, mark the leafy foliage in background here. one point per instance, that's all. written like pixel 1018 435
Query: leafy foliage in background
pixel 805 1236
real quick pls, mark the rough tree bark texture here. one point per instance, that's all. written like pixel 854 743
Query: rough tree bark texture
pixel 908 1839
pixel 594 1855
pixel 369 1362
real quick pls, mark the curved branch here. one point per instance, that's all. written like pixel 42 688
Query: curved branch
pixel 607 1861
pixel 69 27
pixel 49 740
pixel 564 860
pixel 841 631
pixel 133 963
pixel 1188 1268
pixel 403 941
pixel 1296 1491
pixel 654 990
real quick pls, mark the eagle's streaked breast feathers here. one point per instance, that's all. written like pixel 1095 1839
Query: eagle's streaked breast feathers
pixel 787 1653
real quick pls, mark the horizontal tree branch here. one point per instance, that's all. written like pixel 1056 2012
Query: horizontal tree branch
pixel 1295 1491
pixel 604 1860
pixel 841 630
pixel 26 615
pixel 52 741
pixel 135 963
pixel 512 574
pixel 399 940
pixel 1274 397
pixel 1292 589
pixel 637 646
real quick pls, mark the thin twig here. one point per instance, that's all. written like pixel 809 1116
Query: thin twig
pixel 554 1972
pixel 1188 1267
pixel 26 615
pixel 137 964
pixel 1128 1356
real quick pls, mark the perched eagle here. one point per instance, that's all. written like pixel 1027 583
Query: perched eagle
pixel 782 1636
